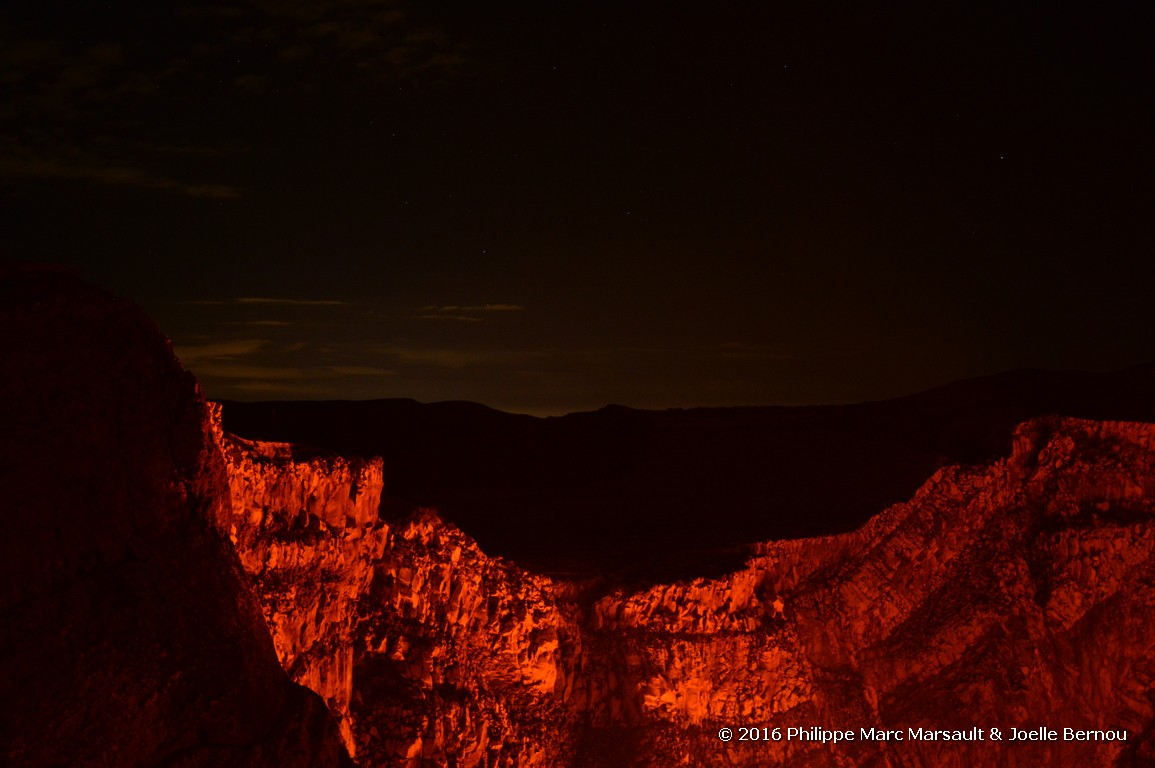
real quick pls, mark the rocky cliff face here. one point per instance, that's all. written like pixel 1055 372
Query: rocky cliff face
pixel 309 536
pixel 424 648
pixel 461 658
pixel 1016 594
pixel 1012 595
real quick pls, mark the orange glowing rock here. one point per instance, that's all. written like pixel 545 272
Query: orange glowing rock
pixel 970 598
pixel 308 534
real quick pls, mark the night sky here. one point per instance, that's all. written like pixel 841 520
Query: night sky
pixel 550 207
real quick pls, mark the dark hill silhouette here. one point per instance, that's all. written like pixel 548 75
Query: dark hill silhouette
pixel 129 635
pixel 673 492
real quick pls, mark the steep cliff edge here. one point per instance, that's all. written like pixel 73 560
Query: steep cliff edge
pixel 128 635
pixel 1014 594
pixel 309 536
pixel 1017 594
pixel 461 658
pixel 424 648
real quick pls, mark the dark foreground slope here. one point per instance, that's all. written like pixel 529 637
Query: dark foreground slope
pixel 127 634
pixel 678 489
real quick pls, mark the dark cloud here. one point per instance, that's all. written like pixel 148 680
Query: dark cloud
pixel 474 308
pixel 66 163
pixel 455 358
pixel 377 37
pixel 453 318
pixel 91 98
pixel 268 368
pixel 265 300
pixel 737 350
pixel 259 301
pixel 200 151
pixel 192 354
pixel 474 313
pixel 65 105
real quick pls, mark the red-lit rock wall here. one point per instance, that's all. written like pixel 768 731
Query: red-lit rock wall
pixel 309 536
pixel 461 658
pixel 423 647
pixel 1017 594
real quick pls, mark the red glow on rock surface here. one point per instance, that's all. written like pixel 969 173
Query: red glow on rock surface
pixel 974 602
pixel 170 593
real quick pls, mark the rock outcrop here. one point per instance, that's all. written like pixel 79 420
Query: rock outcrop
pixel 128 635
pixel 460 658
pixel 1015 595
pixel 428 652
pixel 309 536
pixel 1011 595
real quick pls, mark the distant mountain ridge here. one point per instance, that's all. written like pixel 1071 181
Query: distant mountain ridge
pixel 661 494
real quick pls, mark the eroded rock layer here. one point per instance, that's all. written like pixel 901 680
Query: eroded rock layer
pixel 1011 595
pixel 423 647
pixel 1016 594
pixel 309 536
